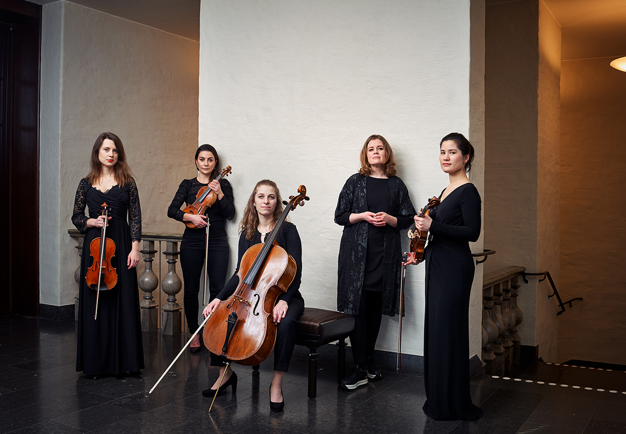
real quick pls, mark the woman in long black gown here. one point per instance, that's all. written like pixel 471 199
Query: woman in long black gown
pixel 373 207
pixel 449 276
pixel 110 344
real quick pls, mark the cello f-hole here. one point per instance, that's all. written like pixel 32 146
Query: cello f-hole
pixel 258 298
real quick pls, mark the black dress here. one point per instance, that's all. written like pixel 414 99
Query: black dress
pixel 110 344
pixel 449 276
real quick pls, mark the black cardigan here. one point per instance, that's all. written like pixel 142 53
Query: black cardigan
pixel 353 247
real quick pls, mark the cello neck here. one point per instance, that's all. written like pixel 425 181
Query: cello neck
pixel 267 245
pixel 271 237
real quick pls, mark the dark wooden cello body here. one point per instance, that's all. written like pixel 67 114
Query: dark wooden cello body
pixel 241 329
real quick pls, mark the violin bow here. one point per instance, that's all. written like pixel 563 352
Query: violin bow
pixel 181 351
pixel 206 260
pixel 404 259
pixel 219 385
pixel 103 240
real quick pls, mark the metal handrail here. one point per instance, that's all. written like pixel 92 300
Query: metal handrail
pixel 555 292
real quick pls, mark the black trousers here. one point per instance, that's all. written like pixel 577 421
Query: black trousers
pixel 192 261
pixel 285 338
pixel 367 326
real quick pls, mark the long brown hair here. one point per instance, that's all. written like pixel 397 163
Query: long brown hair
pixel 123 175
pixel 389 166
pixel 250 219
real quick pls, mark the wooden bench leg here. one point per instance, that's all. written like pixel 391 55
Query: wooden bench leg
pixel 341 360
pixel 313 372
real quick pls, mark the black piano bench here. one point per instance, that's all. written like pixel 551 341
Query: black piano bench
pixel 317 327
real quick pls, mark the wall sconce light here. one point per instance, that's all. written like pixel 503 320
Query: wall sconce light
pixel 619 64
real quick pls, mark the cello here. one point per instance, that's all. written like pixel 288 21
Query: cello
pixel 101 276
pixel 241 329
pixel 205 198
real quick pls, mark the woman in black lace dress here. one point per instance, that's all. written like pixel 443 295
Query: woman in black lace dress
pixel 110 344
pixel 192 249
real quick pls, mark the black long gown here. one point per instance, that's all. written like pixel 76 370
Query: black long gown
pixel 449 276
pixel 110 344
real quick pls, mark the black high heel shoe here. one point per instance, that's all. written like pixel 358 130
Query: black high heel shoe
pixel 276 407
pixel 232 381
pixel 196 350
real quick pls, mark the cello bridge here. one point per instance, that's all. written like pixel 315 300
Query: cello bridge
pixel 413 234
pixel 241 300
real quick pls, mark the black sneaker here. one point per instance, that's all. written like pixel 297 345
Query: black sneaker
pixel 356 377
pixel 373 371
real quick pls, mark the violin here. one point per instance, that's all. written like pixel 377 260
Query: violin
pixel 418 238
pixel 204 199
pixel 102 276
pixel 241 329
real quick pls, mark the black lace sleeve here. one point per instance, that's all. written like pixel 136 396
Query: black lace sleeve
pixel 134 212
pixel 406 211
pixel 80 200
pixel 345 203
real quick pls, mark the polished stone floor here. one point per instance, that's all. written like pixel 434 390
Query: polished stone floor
pixel 40 392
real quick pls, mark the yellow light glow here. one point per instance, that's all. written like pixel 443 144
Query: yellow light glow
pixel 619 64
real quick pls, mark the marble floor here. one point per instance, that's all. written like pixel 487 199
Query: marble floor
pixel 40 392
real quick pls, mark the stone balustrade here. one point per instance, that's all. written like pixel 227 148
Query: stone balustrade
pixel 171 285
pixel 501 316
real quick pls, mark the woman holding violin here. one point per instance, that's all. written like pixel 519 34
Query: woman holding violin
pixel 373 207
pixel 449 276
pixel 193 247
pixel 263 210
pixel 109 339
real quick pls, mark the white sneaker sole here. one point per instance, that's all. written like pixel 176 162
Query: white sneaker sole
pixel 355 385
pixel 374 376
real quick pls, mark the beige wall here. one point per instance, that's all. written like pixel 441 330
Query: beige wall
pixel 521 182
pixel 548 180
pixel 103 73
pixel 593 227
pixel 291 90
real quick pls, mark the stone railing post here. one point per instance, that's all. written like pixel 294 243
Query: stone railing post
pixel 148 282
pixel 171 284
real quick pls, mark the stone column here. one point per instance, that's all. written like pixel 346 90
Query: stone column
pixel 172 285
pixel 148 282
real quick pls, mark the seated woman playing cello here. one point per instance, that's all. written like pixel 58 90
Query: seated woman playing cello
pixel 260 216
